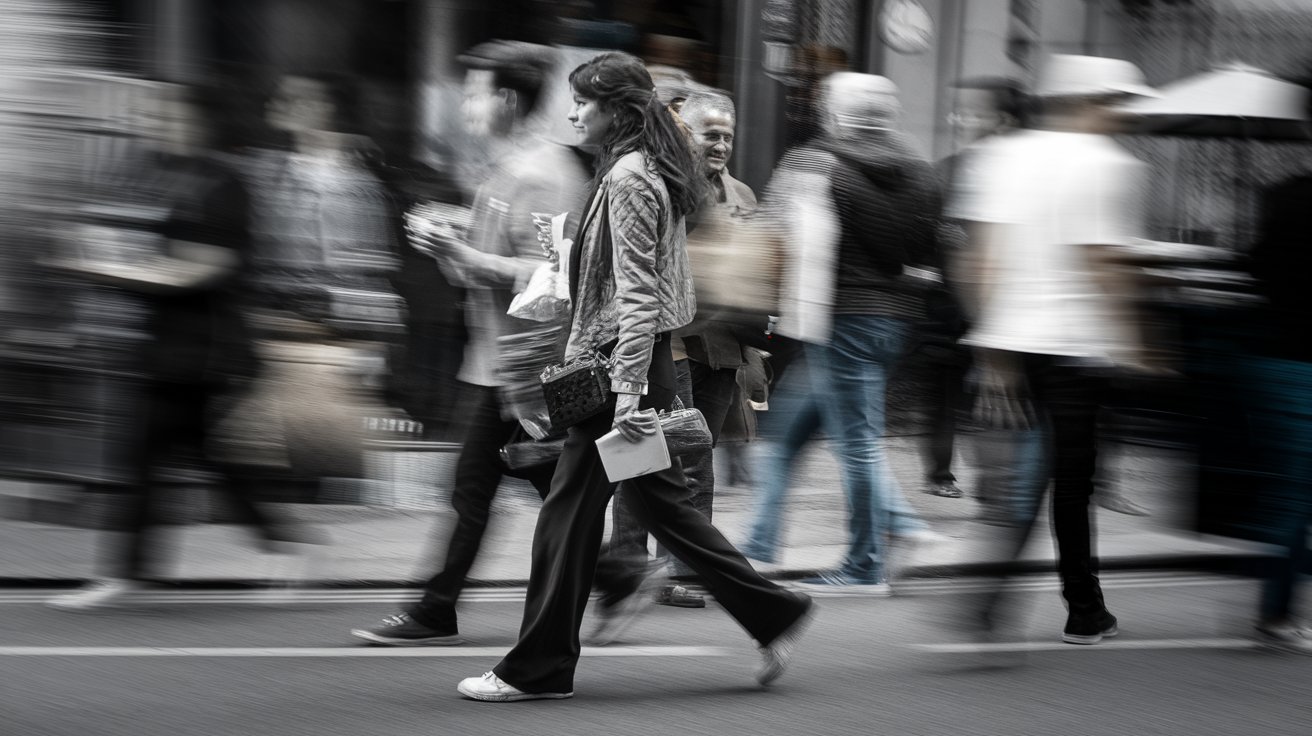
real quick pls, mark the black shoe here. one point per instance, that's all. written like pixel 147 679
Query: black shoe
pixel 403 631
pixel 1089 629
pixel 944 489
pixel 679 597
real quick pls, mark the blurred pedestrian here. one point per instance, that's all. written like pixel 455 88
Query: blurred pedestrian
pixel 984 108
pixel 708 355
pixel 199 352
pixel 1282 398
pixel 1053 307
pixel 325 227
pixel 530 179
pixel 425 372
pixel 630 286
pixel 325 244
pixel 1010 471
pixel 869 209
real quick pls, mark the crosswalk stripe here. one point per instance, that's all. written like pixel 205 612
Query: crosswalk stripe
pixel 1105 645
pixel 344 652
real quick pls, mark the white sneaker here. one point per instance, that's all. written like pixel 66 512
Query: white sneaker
pixel 924 537
pixel 1286 638
pixel 776 656
pixel 493 689
pixel 289 571
pixel 95 595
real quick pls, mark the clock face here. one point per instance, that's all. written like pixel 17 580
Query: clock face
pixel 906 27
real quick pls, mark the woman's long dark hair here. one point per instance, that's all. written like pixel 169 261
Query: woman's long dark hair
pixel 622 86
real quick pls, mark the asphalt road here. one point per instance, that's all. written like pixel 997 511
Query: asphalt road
pixel 221 663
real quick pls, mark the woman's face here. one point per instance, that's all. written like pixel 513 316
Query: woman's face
pixel 590 120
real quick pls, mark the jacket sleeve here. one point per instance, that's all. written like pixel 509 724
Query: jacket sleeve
pixel 212 249
pixel 635 219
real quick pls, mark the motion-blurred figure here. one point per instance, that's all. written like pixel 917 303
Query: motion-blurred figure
pixel 435 331
pixel 984 108
pixel 1282 388
pixel 1010 473
pixel 531 180
pixel 199 350
pixel 325 232
pixel 867 209
pixel 1053 308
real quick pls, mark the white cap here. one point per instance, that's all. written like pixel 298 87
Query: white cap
pixel 862 100
pixel 1067 75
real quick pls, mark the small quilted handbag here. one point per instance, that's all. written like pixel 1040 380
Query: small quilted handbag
pixel 576 391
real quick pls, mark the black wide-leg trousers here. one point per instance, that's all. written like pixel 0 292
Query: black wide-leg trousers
pixel 567 541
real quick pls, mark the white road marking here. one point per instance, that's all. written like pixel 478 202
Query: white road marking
pixel 261 597
pixel 945 586
pixel 1118 645
pixel 948 587
pixel 345 652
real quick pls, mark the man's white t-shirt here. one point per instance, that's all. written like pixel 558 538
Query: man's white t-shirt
pixel 1052 195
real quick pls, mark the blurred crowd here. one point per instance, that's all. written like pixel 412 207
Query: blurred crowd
pixel 249 287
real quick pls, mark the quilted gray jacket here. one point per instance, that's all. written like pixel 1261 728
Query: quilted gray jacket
pixel 634 281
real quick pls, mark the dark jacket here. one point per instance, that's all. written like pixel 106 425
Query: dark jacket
pixel 199 334
pixel 1282 262
pixel 888 204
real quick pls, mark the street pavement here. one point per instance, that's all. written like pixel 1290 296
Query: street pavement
pixel 388 546
pixel 222 663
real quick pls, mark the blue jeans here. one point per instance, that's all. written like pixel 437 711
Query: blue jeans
pixel 1280 396
pixel 1013 472
pixel 843 392
pixel 786 428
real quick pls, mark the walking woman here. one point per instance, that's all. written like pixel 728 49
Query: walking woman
pixel 631 287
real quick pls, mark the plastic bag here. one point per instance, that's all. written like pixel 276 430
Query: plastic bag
pixel 546 298
pixel 540 301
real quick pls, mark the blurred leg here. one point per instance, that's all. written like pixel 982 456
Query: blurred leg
pixel 850 378
pixel 796 419
pixel 1070 399
pixel 713 391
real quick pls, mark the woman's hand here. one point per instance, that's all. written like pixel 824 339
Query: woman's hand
pixel 632 423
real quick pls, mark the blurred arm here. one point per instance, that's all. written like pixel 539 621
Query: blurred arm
pixel 471 268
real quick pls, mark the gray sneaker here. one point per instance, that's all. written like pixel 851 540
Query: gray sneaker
pixel 1285 638
pixel 837 583
pixel 97 595
pixel 401 630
